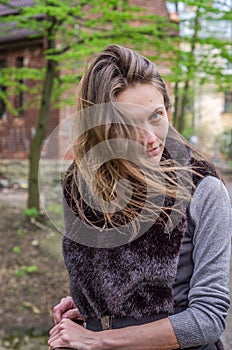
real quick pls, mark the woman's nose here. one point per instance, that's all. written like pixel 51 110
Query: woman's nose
pixel 148 137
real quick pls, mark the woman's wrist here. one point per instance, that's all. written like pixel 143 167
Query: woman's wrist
pixel 99 341
pixel 156 335
pixel 125 338
pixel 112 339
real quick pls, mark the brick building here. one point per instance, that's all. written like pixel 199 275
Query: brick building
pixel 19 49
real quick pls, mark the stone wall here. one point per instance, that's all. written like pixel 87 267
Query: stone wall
pixel 14 169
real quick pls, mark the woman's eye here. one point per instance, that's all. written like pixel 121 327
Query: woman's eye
pixel 156 115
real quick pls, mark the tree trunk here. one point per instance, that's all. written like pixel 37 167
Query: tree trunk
pixel 184 101
pixel 180 104
pixel 40 134
pixel 176 105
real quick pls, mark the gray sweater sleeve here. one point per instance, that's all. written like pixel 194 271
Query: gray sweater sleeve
pixel 208 299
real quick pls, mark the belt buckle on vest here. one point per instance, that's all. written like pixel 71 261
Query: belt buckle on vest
pixel 106 322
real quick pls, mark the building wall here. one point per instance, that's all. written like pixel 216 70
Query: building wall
pixel 211 121
pixel 16 131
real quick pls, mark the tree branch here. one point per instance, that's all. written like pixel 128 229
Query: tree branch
pixel 59 52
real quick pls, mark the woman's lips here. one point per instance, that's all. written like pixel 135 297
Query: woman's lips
pixel 154 151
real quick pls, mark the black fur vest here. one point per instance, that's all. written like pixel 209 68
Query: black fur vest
pixel 134 279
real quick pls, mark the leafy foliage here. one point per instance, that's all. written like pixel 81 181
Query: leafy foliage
pixel 31 213
pixel 81 28
pixel 204 54
pixel 24 270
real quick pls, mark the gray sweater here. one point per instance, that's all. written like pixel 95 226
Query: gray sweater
pixel 204 267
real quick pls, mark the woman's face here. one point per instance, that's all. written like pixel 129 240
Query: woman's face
pixel 150 115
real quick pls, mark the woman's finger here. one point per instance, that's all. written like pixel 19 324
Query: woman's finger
pixel 57 337
pixel 54 330
pixel 64 305
pixel 73 315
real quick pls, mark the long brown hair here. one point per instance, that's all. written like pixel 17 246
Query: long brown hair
pixel 108 74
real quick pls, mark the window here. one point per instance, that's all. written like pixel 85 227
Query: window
pixel 19 98
pixel 2 94
pixel 228 102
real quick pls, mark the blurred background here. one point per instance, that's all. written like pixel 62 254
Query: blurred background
pixel 44 48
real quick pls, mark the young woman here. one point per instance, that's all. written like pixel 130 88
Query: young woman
pixel 147 221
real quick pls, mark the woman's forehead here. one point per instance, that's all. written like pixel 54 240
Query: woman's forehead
pixel 145 95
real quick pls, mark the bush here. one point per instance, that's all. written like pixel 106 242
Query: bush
pixel 31 213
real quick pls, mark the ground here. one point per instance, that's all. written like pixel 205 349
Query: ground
pixel 32 279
